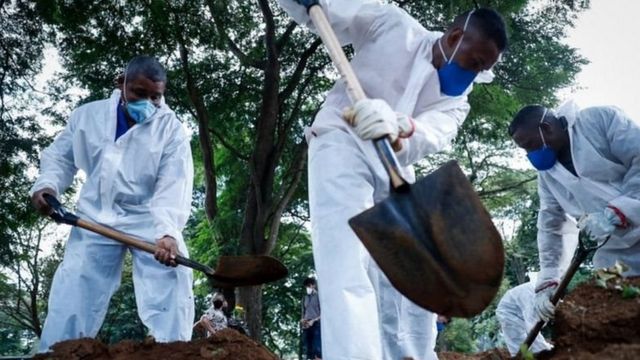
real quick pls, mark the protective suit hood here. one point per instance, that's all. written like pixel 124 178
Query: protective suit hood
pixel 569 109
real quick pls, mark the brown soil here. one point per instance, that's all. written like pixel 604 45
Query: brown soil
pixel 597 323
pixel 591 323
pixel 225 345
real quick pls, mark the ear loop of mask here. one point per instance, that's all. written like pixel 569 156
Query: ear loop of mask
pixel 544 143
pixel 464 29
pixel 124 85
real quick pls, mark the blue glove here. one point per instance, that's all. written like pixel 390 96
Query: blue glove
pixel 308 3
pixel 600 225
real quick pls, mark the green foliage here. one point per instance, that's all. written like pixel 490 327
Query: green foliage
pixel 458 336
pixel 219 49
pixel 630 291
pixel 282 301
pixel 122 320
pixel 14 341
pixel 485 326
pixel 526 353
pixel 21 136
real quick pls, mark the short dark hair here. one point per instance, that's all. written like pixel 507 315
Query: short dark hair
pixel 147 66
pixel 488 22
pixel 528 115
pixel 309 281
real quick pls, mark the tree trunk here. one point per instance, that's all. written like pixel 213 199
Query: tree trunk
pixel 251 300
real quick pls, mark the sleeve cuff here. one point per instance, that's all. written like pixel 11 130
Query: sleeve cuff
pixel 41 185
pixel 167 232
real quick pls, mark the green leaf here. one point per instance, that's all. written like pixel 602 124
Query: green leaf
pixel 630 291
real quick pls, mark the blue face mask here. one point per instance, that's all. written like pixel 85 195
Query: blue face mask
pixel 454 79
pixel 140 110
pixel 545 157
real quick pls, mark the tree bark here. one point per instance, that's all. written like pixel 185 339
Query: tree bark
pixel 210 201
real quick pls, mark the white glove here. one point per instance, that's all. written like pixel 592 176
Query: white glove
pixel 374 118
pixel 543 307
pixel 600 225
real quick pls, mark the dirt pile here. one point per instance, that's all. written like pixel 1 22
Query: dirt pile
pixel 225 345
pixel 591 323
pixel 597 323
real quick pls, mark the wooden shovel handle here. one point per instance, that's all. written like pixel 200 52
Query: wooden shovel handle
pixel 139 244
pixel 354 90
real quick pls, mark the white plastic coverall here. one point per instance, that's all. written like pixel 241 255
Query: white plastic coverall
pixel 605 147
pixel 364 316
pixel 515 311
pixel 140 184
pixel 516 316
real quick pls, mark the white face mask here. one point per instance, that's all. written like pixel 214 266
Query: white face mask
pixel 309 291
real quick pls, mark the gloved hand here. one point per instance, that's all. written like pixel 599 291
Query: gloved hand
pixel 601 225
pixel 543 307
pixel 374 118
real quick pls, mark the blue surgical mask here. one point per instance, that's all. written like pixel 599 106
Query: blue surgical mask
pixel 545 157
pixel 454 79
pixel 140 110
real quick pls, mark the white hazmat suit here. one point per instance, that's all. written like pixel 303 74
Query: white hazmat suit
pixel 516 316
pixel 364 316
pixel 515 311
pixel 605 147
pixel 139 184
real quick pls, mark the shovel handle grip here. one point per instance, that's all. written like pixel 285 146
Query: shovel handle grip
pixel 139 244
pixel 354 90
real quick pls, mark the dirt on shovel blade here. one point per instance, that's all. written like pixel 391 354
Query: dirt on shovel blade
pixel 227 344
pixel 591 323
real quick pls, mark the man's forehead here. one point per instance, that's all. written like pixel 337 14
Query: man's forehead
pixel 485 47
pixel 143 81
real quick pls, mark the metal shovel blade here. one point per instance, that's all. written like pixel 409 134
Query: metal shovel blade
pixel 436 243
pixel 247 270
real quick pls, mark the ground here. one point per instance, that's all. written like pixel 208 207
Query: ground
pixel 591 323
pixel 225 345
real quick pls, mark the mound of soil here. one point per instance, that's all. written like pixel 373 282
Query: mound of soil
pixel 591 323
pixel 227 344
pixel 597 323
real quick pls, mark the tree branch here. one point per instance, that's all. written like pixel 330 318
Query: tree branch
pixel 486 193
pixel 228 146
pixel 286 35
pixel 297 169
pixel 211 206
pixel 233 47
pixel 297 73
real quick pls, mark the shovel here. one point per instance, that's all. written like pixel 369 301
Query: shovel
pixel 231 271
pixel 580 256
pixel 434 239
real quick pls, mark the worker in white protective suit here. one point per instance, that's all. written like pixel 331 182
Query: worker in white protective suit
pixel 417 83
pixel 516 317
pixel 139 172
pixel 588 165
pixel 515 311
